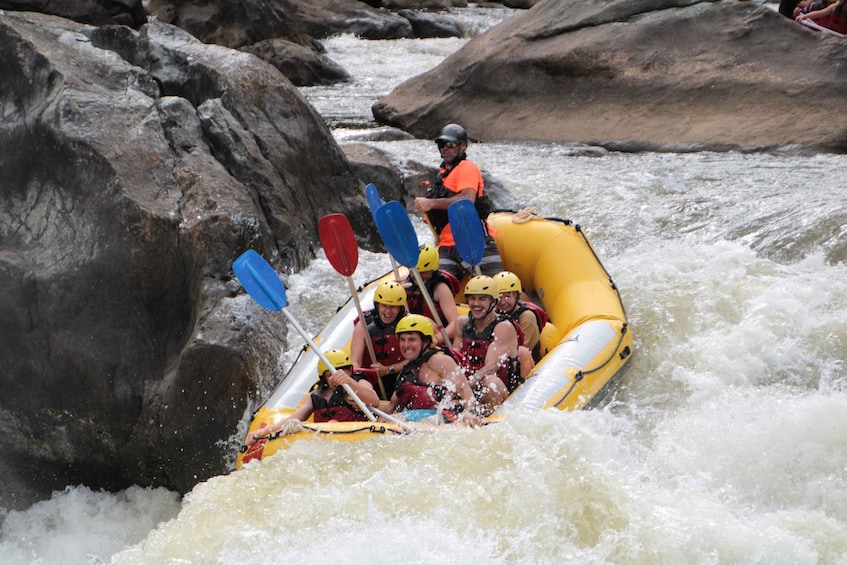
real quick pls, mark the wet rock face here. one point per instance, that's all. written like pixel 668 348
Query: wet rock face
pixel 232 23
pixel 97 12
pixel 301 65
pixel 644 75
pixel 136 167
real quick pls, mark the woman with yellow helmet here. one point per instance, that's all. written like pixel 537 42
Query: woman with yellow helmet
pixel 441 286
pixel 328 401
pixel 389 307
pixel 528 315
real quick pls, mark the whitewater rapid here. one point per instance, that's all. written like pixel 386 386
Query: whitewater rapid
pixel 724 442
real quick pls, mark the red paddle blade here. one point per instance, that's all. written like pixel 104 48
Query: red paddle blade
pixel 339 243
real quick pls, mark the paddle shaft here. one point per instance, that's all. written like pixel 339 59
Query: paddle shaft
pixel 394 268
pixel 304 335
pixel 818 27
pixel 428 299
pixel 262 283
pixel 428 223
pixel 341 249
pixel 368 341
pixel 398 234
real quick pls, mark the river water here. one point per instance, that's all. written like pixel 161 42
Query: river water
pixel 726 441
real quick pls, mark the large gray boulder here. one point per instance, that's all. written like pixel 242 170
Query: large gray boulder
pixel 324 18
pixel 284 33
pixel 425 24
pixel 135 167
pixel 232 23
pixel 301 65
pixel 636 75
pixel 97 12
pixel 236 23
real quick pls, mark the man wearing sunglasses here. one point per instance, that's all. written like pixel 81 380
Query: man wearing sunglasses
pixel 458 178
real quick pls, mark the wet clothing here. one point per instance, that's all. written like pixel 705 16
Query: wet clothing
pixel 837 20
pixel 336 406
pixel 412 394
pixel 415 302
pixel 475 346
pixel 386 346
pixel 531 323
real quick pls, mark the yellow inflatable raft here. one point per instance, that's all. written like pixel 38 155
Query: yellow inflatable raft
pixel 585 343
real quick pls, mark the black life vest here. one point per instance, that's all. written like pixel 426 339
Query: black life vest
pixel 336 406
pixel 438 218
pixel 475 346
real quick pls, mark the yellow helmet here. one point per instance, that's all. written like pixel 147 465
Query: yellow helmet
pixel 428 258
pixel 482 285
pixel 508 281
pixel 415 323
pixel 390 293
pixel 337 357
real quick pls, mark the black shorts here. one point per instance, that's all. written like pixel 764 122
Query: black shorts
pixel 449 260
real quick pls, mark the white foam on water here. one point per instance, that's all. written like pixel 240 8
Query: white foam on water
pixel 81 526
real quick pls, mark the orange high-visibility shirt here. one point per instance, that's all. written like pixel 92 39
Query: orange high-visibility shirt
pixel 463 176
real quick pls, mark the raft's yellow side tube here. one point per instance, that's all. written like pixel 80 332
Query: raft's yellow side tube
pixel 590 341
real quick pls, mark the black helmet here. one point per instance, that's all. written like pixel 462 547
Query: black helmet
pixel 453 133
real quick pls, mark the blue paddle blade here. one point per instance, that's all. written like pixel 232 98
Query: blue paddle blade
pixel 467 231
pixel 374 199
pixel 260 280
pixel 398 233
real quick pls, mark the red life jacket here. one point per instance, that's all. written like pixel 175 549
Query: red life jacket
pixel 412 394
pixel 475 346
pixel 369 374
pixel 540 319
pixel 540 313
pixel 837 20
pixel 415 302
pixel 385 342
